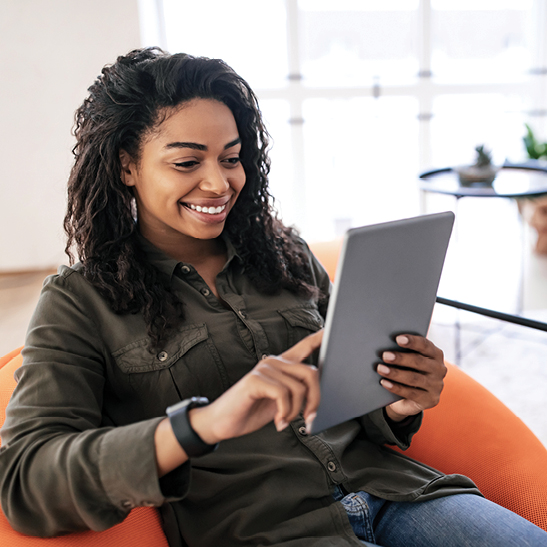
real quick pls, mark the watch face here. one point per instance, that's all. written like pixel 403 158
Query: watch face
pixel 178 406
pixel 190 403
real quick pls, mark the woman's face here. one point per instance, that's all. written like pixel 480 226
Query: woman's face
pixel 189 175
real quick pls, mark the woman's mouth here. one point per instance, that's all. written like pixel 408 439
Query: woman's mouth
pixel 207 210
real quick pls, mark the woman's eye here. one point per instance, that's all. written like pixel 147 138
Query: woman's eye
pixel 232 161
pixel 186 164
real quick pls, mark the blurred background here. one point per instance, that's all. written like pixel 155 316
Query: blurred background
pixel 360 97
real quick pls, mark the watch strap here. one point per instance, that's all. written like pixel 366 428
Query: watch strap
pixel 188 439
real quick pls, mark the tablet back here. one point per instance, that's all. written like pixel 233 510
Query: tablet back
pixel 386 284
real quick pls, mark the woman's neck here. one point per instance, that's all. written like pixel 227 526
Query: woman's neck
pixel 190 250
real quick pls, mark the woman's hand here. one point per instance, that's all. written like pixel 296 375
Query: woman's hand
pixel 420 382
pixel 278 388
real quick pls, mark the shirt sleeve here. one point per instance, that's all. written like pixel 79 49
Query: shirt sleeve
pixel 61 470
pixel 381 430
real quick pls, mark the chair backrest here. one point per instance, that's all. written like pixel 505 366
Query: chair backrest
pixel 141 527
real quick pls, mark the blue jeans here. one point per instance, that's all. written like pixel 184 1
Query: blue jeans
pixel 452 521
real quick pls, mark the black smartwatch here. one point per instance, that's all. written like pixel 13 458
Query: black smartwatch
pixel 186 436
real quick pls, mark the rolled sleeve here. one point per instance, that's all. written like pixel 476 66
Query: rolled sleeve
pixel 129 474
pixel 381 430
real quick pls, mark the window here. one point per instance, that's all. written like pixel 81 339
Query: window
pixel 362 95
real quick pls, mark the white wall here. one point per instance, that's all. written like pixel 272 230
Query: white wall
pixel 50 53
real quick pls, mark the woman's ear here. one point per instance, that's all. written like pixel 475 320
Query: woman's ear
pixel 128 169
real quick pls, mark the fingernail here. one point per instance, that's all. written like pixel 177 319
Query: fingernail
pixel 402 340
pixel 388 356
pixel 382 369
pixel 386 383
pixel 309 421
pixel 281 425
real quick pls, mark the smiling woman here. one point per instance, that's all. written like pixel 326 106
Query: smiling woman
pixel 173 366
pixel 187 179
pixel 145 144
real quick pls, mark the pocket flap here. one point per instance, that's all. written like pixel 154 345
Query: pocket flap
pixel 308 318
pixel 136 357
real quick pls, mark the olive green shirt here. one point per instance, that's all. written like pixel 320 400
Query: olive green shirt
pixel 78 441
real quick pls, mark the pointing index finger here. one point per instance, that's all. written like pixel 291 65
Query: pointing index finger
pixel 304 348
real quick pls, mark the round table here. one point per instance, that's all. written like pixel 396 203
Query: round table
pixel 512 181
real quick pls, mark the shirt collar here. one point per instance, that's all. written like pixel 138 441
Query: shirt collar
pixel 167 265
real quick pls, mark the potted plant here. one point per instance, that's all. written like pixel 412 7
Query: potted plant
pixel 481 172
pixel 535 149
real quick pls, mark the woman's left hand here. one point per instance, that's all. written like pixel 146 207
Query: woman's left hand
pixel 419 382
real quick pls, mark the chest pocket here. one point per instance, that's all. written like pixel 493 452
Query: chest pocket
pixel 300 322
pixel 187 365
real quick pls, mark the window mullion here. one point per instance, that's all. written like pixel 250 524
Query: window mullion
pixel 296 98
pixel 424 37
pixel 539 70
pixel 424 91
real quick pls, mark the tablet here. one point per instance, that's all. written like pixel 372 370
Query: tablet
pixel 386 283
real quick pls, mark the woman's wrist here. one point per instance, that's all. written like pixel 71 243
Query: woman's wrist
pixel 169 453
pixel 189 439
pixel 201 420
pixel 395 416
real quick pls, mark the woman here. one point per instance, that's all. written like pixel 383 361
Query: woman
pixel 189 287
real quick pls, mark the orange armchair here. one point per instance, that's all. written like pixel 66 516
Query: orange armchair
pixel 470 432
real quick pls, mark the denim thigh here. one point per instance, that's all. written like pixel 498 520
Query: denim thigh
pixel 452 521
pixel 455 521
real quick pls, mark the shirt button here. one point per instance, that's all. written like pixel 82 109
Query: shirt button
pixel 205 292
pixel 331 466
pixel 185 269
pixel 148 503
pixel 242 314
pixel 303 431
pixel 162 356
pixel 128 504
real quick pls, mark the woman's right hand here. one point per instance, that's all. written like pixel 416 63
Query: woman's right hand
pixel 278 388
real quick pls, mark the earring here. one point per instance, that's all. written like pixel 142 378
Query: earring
pixel 134 209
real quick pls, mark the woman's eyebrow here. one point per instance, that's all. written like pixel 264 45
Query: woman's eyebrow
pixel 233 143
pixel 196 146
pixel 192 145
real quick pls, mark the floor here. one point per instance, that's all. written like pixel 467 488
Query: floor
pixel 490 263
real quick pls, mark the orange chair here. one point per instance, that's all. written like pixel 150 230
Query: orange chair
pixel 470 432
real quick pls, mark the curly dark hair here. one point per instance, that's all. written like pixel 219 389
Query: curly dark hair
pixel 126 103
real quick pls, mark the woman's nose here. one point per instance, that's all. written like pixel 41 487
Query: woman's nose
pixel 214 180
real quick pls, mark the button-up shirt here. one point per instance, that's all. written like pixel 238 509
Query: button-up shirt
pixel 78 441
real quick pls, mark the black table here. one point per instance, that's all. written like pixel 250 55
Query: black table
pixel 513 181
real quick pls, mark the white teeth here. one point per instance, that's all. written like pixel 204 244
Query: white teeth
pixel 208 210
